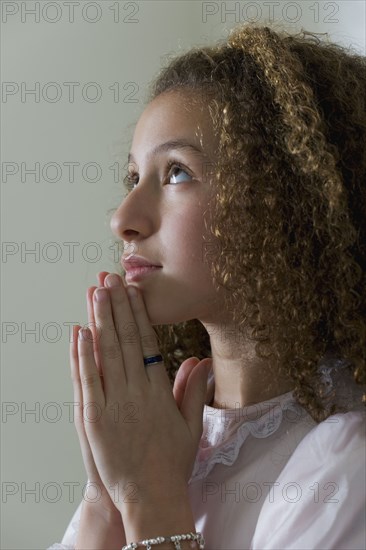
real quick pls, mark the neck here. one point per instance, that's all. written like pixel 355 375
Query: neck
pixel 241 378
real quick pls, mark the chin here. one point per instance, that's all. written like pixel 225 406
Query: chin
pixel 166 314
pixel 168 306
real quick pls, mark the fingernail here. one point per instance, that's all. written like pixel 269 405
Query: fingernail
pixel 113 280
pixel 101 295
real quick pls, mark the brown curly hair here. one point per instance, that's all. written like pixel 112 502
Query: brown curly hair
pixel 291 200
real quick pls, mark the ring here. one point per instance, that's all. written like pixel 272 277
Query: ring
pixel 152 359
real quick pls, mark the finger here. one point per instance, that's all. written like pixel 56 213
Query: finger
pixel 92 391
pixel 75 377
pixel 115 380
pixel 194 397
pixel 93 327
pixel 101 276
pixel 87 455
pixel 210 389
pixel 128 333
pixel 181 378
pixel 149 342
pixel 101 279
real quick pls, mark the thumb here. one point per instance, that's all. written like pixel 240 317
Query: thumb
pixel 195 397
pixel 181 378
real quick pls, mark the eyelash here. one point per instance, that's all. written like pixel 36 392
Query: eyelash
pixel 129 179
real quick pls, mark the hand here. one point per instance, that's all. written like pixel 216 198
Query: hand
pixel 96 494
pixel 138 435
pixel 181 380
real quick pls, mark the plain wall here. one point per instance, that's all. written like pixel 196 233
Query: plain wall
pixel 44 276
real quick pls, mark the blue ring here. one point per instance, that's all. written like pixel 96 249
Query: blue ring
pixel 153 359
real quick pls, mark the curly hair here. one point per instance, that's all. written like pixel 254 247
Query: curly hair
pixel 289 216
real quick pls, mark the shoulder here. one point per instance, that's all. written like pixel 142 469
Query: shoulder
pixel 318 500
pixel 334 438
pixel 331 451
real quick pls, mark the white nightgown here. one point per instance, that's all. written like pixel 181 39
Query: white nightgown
pixel 268 477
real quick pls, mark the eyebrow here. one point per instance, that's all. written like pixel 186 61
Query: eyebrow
pixel 168 145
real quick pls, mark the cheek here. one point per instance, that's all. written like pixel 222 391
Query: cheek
pixel 185 241
pixel 186 282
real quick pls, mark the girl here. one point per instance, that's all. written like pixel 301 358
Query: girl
pixel 244 238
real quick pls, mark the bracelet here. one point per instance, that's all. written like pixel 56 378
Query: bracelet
pixel 175 539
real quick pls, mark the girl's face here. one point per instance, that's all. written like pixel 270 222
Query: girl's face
pixel 162 217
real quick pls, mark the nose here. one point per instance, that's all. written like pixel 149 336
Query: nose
pixel 136 216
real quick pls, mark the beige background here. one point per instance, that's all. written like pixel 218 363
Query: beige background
pixel 43 284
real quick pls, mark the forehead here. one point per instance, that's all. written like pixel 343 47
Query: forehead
pixel 175 115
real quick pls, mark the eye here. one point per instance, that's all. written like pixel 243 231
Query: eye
pixel 130 181
pixel 177 167
pixel 179 173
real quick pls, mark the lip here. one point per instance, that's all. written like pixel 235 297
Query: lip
pixel 134 261
pixel 137 273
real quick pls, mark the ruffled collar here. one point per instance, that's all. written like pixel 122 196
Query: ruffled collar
pixel 225 430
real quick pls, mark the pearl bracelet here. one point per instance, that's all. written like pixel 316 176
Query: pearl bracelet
pixel 175 539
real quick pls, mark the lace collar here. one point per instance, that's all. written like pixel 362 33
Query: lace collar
pixel 225 430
